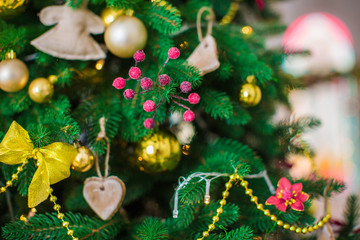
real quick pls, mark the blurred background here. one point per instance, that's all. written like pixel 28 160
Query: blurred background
pixel 329 31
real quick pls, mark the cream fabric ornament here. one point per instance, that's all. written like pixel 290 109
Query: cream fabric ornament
pixel 70 38
pixel 204 57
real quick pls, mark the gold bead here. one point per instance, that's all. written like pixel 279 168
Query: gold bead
pixel 254 199
pixel 286 226
pixel 225 194
pixel 205 234
pixel 260 206
pixel 9 183
pixel 304 230
pixel 267 212
pixel 41 90
pixel 19 169
pixel 14 176
pixel 53 198
pixel 51 190
pixel 70 232
pixel 57 207
pixel 273 218
pixel 3 189
pixel 84 160
pixel 228 185
pixel 215 219
pixel 75 238
pixel 248 191
pixel 65 224
pixel 316 227
pixel 53 79
pixel 60 216
pixel 219 210
pixel 320 223
pixel 298 230
pixel 223 202
pixel 211 227
pixel 280 223
pixel 310 229
pixel 23 218
pixel 244 183
pixel 292 228
pixel 233 177
pixel 325 219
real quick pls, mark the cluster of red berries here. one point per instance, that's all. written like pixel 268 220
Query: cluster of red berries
pixel 148 85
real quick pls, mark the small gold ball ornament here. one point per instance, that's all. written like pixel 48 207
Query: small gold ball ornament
pixel 14 74
pixel 11 8
pixel 125 36
pixel 84 160
pixel 250 93
pixel 158 152
pixel 41 90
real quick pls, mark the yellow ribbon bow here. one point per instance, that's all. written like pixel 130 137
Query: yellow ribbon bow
pixel 53 161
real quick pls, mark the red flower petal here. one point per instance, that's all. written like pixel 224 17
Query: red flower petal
pixel 284 184
pixel 297 187
pixel 282 207
pixel 273 201
pixel 302 197
pixel 297 206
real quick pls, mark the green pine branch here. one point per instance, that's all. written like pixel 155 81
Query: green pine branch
pixel 152 229
pixel 215 103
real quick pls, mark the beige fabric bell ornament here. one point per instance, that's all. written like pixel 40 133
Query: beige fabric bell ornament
pixel 205 56
pixel 70 38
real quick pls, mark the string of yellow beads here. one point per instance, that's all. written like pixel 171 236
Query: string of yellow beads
pixel 225 194
pixel 14 177
pixel 61 216
pixel 287 226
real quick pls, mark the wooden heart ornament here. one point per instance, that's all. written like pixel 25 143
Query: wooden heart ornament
pixel 104 195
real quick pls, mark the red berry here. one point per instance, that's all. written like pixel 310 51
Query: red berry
pixel 149 106
pixel 146 83
pixel 174 53
pixel 189 116
pixel 185 87
pixel 134 72
pixel 139 56
pixel 129 94
pixel 164 79
pixel 119 83
pixel 149 123
pixel 194 98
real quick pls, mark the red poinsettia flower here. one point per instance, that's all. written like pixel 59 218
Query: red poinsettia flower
pixel 288 195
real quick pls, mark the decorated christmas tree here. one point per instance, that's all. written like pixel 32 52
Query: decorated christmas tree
pixel 157 126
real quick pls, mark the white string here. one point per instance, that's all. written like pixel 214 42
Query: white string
pixel 205 177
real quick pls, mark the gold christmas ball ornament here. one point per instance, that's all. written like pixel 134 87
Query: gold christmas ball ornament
pixel 41 90
pixel 84 160
pixel 158 152
pixel 250 93
pixel 125 36
pixel 12 8
pixel 14 74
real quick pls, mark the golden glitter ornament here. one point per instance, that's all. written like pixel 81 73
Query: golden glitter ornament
pixel 158 152
pixel 125 36
pixel 84 160
pixel 11 8
pixel 41 90
pixel 250 93
pixel 14 74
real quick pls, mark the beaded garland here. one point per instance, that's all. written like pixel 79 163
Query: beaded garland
pixel 248 191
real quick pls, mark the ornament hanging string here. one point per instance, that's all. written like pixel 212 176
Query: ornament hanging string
pixel 210 19
pixel 102 135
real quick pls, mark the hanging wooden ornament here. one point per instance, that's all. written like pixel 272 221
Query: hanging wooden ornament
pixel 104 194
pixel 204 57
pixel 70 38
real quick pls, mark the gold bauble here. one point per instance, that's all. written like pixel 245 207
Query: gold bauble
pixel 41 90
pixel 14 74
pixel 250 93
pixel 84 160
pixel 125 36
pixel 158 152
pixel 108 15
pixel 11 8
